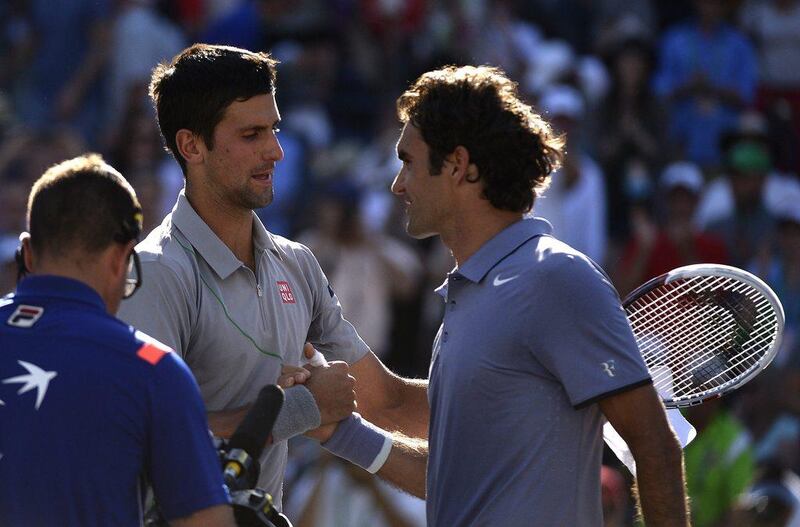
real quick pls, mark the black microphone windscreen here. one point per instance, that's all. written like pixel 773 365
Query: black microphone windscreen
pixel 251 435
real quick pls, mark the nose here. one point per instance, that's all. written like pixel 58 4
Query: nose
pixel 274 150
pixel 398 186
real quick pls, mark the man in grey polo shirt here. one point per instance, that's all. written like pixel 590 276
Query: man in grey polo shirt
pixel 534 351
pixel 237 302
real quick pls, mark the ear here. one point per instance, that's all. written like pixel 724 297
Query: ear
pixel 190 146
pixel 27 252
pixel 119 256
pixel 462 169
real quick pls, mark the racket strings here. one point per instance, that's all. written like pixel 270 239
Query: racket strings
pixel 709 370
pixel 699 334
pixel 713 369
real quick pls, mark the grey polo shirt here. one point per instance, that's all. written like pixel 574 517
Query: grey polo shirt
pixel 533 335
pixel 235 328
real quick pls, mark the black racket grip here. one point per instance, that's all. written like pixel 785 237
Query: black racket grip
pixel 252 434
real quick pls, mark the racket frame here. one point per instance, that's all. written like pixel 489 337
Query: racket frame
pixel 726 271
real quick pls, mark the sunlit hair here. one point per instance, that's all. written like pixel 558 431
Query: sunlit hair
pixel 82 204
pixel 479 108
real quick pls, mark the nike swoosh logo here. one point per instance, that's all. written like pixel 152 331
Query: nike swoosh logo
pixel 500 281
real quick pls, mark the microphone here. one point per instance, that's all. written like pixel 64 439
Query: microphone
pixel 240 465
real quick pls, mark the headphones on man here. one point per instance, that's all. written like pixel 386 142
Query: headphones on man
pixel 19 257
pixel 131 229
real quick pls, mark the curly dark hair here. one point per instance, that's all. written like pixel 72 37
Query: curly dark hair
pixel 478 107
pixel 194 89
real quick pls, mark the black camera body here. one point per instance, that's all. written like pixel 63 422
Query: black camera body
pixel 252 507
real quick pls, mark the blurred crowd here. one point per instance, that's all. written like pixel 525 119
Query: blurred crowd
pixel 682 121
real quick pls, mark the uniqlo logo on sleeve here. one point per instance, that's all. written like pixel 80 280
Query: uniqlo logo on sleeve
pixel 287 297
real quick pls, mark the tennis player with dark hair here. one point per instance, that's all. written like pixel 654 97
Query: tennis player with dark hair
pixel 91 410
pixel 534 351
pixel 238 302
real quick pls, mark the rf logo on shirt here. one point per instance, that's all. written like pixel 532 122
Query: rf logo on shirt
pixel 609 367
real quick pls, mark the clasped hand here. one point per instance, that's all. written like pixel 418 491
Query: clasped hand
pixel 332 387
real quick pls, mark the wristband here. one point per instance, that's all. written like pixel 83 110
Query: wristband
pixel 361 443
pixel 298 415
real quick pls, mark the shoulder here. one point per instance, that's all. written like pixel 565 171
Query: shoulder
pixel 149 349
pixel 157 362
pixel 116 340
pixel 290 248
pixel 166 252
pixel 558 269
pixel 295 252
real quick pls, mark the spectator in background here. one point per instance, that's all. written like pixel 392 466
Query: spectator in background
pixel 707 74
pixel 141 38
pixel 629 130
pixel 505 40
pixel 749 225
pixel 720 462
pixel 365 269
pixel 614 496
pixel 717 201
pixel 62 83
pixel 15 41
pixel 24 156
pixel 575 202
pixel 774 26
pixel 138 153
pixel 779 266
pixel 675 241
pixel 772 501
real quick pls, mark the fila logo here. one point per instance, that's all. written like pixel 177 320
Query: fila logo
pixel 287 297
pixel 25 316
pixel 609 367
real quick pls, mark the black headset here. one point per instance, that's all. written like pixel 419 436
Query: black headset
pixel 19 257
pixel 131 229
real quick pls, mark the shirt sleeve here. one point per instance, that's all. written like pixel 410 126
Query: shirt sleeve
pixel 580 333
pixel 182 464
pixel 329 332
pixel 161 307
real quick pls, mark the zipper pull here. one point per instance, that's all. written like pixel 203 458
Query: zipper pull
pixel 259 291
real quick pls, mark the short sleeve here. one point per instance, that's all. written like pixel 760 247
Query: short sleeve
pixel 329 332
pixel 580 333
pixel 182 464
pixel 160 307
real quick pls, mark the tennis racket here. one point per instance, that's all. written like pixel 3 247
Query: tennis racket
pixel 704 330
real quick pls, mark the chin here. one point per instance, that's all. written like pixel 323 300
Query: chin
pixel 259 202
pixel 419 233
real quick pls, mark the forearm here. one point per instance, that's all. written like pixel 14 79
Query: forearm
pixel 396 458
pixel 224 422
pixel 661 484
pixel 638 415
pixel 406 412
pixel 298 415
pixel 219 515
pixel 406 466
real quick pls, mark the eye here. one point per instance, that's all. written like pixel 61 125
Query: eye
pixel 251 136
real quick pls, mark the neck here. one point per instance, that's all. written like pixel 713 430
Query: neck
pixel 474 228
pixel 233 225
pixel 90 274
